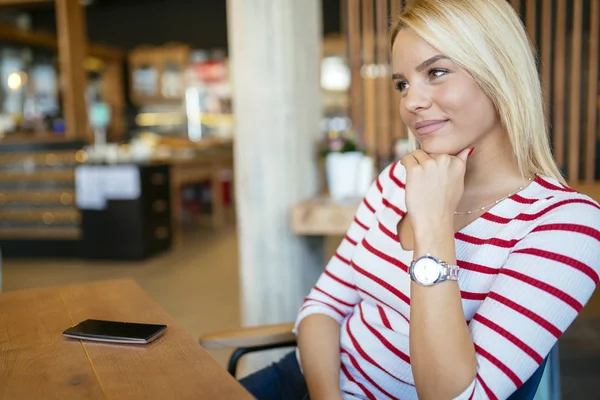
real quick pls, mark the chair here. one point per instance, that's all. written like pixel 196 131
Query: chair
pixel 549 388
pixel 259 338
pixel 250 340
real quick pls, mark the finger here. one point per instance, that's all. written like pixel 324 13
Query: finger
pixel 464 155
pixel 409 161
pixel 442 159
pixel 420 156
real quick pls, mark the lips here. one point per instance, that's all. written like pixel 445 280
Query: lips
pixel 429 126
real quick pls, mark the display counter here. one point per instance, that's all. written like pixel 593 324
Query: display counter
pixel 125 210
pixel 38 216
pixel 44 213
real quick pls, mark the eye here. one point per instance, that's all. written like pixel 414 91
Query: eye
pixel 400 86
pixel 437 73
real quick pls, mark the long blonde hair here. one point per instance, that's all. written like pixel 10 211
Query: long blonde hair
pixel 488 40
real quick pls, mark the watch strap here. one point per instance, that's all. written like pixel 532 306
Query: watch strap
pixel 450 272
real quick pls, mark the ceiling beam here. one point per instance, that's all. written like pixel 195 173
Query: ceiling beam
pixel 20 3
pixel 72 43
pixel 46 40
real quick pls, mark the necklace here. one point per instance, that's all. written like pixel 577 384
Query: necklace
pixel 495 202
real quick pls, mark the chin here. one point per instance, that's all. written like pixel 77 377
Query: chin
pixel 436 146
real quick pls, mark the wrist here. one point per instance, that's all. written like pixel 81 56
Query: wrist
pixel 436 239
pixel 433 226
pixel 326 395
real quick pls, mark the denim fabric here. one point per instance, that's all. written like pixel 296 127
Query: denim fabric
pixel 283 380
pixel 279 381
pixel 530 387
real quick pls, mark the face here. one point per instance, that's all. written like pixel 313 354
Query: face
pixel 440 103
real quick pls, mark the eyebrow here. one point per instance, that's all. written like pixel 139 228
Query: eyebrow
pixel 423 65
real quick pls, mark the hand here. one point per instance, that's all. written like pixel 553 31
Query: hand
pixel 434 186
pixel 336 396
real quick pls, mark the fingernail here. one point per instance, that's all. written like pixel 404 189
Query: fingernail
pixel 471 152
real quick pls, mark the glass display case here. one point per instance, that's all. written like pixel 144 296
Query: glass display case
pixel 181 93
pixel 29 93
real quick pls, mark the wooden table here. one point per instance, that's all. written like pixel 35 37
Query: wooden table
pixel 37 362
pixel 323 216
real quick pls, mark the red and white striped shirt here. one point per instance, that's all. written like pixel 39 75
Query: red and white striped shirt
pixel 527 267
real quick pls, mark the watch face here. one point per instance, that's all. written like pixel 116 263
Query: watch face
pixel 426 271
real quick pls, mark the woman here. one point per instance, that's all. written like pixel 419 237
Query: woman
pixel 470 257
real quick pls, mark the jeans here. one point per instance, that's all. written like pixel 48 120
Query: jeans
pixel 282 380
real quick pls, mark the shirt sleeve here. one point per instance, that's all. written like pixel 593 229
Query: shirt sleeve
pixel 547 279
pixel 335 293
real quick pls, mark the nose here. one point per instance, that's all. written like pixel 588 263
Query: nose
pixel 416 99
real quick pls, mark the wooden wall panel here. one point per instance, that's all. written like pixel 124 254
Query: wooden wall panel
pixel 546 53
pixel 384 132
pixel 592 130
pixel 374 102
pixel 562 47
pixel 575 91
pixel 531 14
pixel 568 36
pixel 398 127
pixel 369 75
pixel 516 5
pixel 354 59
pixel 558 99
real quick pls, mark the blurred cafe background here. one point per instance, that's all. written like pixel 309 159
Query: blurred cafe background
pixel 215 151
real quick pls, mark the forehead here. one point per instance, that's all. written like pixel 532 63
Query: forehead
pixel 409 47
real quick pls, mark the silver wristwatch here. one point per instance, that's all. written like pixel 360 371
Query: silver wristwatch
pixel 428 270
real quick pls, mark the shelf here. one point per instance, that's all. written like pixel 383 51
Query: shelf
pixel 323 216
pixel 49 158
pixel 26 3
pixel 29 38
pixel 38 137
pixel 63 233
pixel 49 41
pixel 37 197
pixel 48 216
pixel 63 176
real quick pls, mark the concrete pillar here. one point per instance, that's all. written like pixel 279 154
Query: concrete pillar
pixel 275 49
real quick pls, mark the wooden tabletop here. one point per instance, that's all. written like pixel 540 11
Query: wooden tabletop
pixel 37 362
pixel 323 216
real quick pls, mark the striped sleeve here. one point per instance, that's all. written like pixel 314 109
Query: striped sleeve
pixel 549 276
pixel 335 293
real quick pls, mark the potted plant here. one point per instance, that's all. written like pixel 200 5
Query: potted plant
pixel 348 170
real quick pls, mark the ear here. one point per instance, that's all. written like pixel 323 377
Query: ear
pixel 463 155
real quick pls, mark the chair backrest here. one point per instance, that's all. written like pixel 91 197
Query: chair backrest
pixel 549 388
pixel 527 391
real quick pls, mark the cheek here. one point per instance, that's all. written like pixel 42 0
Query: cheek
pixel 469 107
pixel 403 112
pixel 405 115
pixel 457 101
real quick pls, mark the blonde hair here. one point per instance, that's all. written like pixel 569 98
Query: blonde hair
pixel 487 39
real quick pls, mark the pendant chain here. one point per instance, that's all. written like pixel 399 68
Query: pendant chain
pixel 494 202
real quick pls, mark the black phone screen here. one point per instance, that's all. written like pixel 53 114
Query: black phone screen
pixel 99 329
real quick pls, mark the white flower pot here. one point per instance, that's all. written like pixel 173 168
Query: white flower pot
pixel 347 173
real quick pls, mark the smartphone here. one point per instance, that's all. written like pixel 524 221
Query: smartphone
pixel 115 332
